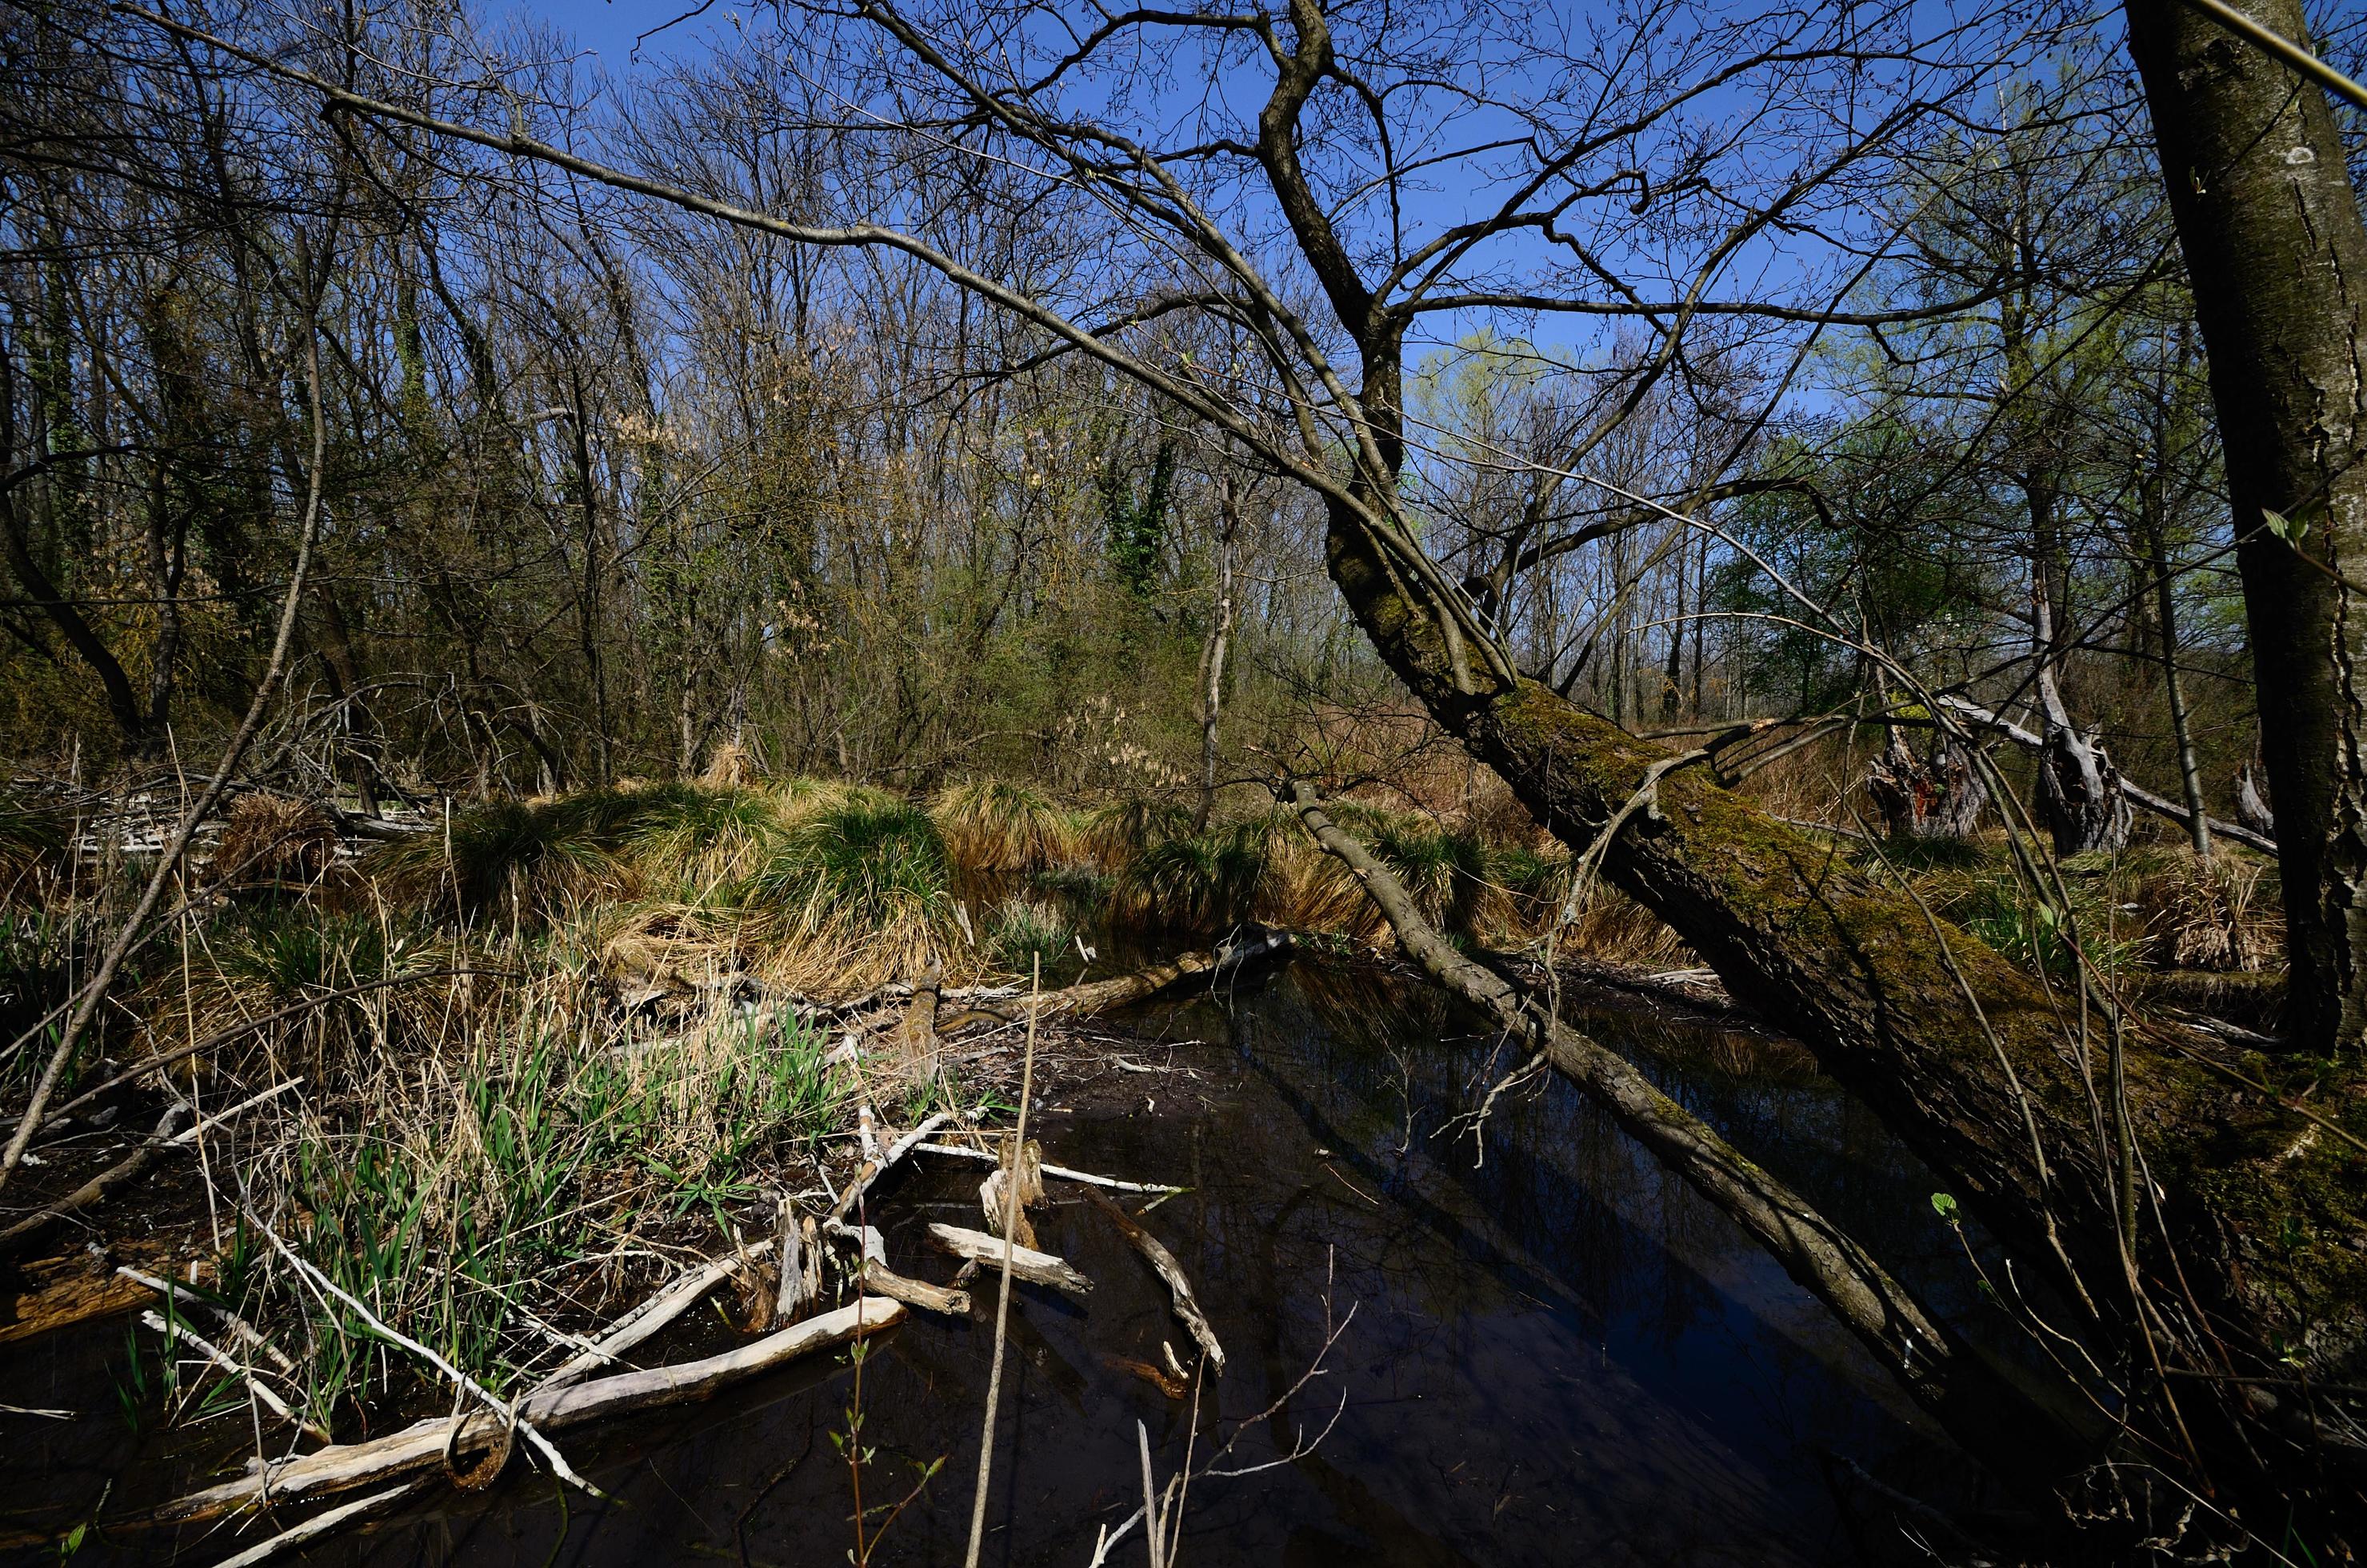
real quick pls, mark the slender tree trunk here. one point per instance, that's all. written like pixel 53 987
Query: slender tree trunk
pixel 1672 690
pixel 2271 235
pixel 587 599
pixel 2156 540
pixel 122 702
pixel 1213 653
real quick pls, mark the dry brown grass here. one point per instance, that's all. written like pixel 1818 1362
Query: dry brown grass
pixel 271 840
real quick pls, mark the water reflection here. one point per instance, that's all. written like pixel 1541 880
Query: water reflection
pixel 1559 1353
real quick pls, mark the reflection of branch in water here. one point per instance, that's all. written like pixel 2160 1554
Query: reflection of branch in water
pixel 1167 1527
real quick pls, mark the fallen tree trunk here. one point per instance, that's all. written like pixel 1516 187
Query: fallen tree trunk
pixel 1083 1001
pixel 2163 1199
pixel 2024 1442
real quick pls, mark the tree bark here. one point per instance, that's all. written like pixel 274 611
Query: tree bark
pixel 1939 795
pixel 2273 242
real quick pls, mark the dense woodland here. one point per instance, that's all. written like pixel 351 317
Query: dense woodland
pixel 1864 499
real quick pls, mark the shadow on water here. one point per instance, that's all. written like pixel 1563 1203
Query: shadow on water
pixel 1559 1353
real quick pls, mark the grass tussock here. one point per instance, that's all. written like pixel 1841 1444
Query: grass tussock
pixel 991 828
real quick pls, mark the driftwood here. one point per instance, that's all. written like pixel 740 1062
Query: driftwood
pixel 422 1445
pixel 320 1524
pixel 245 1332
pixel 1062 1173
pixel 98 1189
pixel 225 1362
pixel 874 1168
pixel 1026 1263
pixel 1163 1262
pixel 801 1276
pixel 994 1193
pixel 651 1315
pixel 881 1279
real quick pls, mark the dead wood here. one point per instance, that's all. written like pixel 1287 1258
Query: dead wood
pixel 873 1169
pixel 995 1195
pixel 265 1395
pixel 798 1284
pixel 321 1525
pixel 422 1445
pixel 1084 1000
pixel 1060 1173
pixel 881 1279
pixel 98 1189
pixel 1163 1262
pixel 2255 836
pixel 2018 1438
pixel 653 1316
pixel 1026 1263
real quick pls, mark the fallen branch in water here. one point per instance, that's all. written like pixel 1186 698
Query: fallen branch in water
pixel 1083 1001
pixel 513 1419
pixel 320 1524
pixel 422 1445
pixel 98 1189
pixel 1928 1360
pixel 225 1362
pixel 1026 1263
pixel 961 1151
pixel 874 1169
pixel 878 1277
pixel 653 1316
pixel 245 1332
pixel 1163 1262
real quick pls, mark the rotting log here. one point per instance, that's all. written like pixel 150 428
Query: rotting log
pixel 423 1444
pixel 2247 1268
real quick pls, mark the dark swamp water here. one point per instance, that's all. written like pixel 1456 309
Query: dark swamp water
pixel 1557 1355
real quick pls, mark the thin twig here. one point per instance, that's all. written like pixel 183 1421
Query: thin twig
pixel 1002 1301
